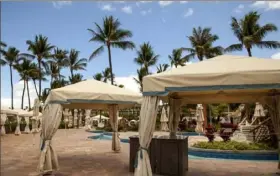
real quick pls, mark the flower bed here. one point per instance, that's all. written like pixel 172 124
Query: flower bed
pixel 231 145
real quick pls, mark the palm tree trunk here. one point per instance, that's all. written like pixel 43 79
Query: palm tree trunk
pixel 29 104
pixel 22 97
pixel 12 88
pixel 35 87
pixel 71 71
pixel 40 78
pixel 110 64
pixel 249 52
pixel 51 82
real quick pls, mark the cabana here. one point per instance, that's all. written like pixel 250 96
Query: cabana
pixel 5 112
pixel 226 78
pixel 89 94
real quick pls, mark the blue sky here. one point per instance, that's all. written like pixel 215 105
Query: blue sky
pixel 164 24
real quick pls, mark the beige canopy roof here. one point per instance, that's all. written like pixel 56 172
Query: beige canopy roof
pixel 223 78
pixel 92 94
pixel 8 111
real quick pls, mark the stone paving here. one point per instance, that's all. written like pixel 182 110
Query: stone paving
pixel 80 156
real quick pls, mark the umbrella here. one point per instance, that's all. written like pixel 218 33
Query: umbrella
pixel 200 119
pixel 164 120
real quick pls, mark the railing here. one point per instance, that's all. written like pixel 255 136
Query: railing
pixel 261 129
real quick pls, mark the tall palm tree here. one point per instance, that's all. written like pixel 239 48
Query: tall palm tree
pixel 59 83
pixel 106 75
pixel 74 63
pixel 25 70
pixel 251 34
pixel 202 44
pixel 10 58
pixel 53 71
pixel 110 35
pixel 140 75
pixel 162 68
pixel 98 76
pixel 60 57
pixel 146 56
pixel 76 78
pixel 176 58
pixel 36 77
pixel 41 49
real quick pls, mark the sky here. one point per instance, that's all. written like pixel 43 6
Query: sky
pixel 165 24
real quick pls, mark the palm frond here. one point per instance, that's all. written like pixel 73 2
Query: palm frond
pixel 123 44
pixel 234 47
pixel 96 52
pixel 268 44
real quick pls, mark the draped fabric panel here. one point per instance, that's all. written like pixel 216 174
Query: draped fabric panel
pixel 174 116
pixel 148 115
pixel 273 104
pixel 3 120
pixel 51 120
pixel 26 129
pixel 17 132
pixel 113 115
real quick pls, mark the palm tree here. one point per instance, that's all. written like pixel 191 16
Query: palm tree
pixel 201 42
pixel 106 75
pixel 251 34
pixel 2 44
pixel 25 70
pixel 146 56
pixel 162 68
pixel 74 63
pixel 60 57
pixel 98 76
pixel 10 58
pixel 40 48
pixel 176 58
pixel 110 35
pixel 76 78
pixel 121 86
pixel 54 71
pixel 59 83
pixel 36 77
pixel 140 74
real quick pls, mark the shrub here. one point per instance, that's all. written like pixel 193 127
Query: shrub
pixel 232 145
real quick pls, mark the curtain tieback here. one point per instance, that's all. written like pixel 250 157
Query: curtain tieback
pixel 140 149
pixel 45 143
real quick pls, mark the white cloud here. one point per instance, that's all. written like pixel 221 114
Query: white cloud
pixel 267 5
pixel 188 13
pixel 239 9
pixel 60 4
pixel 18 88
pixel 119 2
pixel 145 12
pixel 165 3
pixel 128 82
pixel 142 2
pixel 183 2
pixel 276 56
pixel 127 9
pixel 108 7
pixel 163 20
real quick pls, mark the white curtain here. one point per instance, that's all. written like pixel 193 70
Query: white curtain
pixel 26 129
pixel 3 121
pixel 17 132
pixel 273 103
pixel 87 118
pixel 113 114
pixel 174 116
pixel 75 118
pixel 148 116
pixel 51 119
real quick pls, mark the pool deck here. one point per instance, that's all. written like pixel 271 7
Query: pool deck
pixel 80 156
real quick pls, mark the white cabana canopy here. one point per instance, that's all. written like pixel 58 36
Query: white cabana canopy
pixel 23 113
pixel 8 111
pixel 97 117
pixel 92 94
pixel 89 94
pixel 222 79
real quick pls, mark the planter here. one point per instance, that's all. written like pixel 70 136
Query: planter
pixel 235 154
pixel 167 156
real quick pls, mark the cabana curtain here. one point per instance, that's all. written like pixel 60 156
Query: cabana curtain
pixel 17 132
pixel 26 129
pixel 113 114
pixel 50 123
pixel 3 120
pixel 148 115
pixel 273 104
pixel 174 115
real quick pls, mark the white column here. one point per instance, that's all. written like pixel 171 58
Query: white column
pixel 75 118
pixel 80 118
pixel 66 117
pixel 70 116
pixel 3 121
pixel 87 118
pixel 26 129
pixel 17 132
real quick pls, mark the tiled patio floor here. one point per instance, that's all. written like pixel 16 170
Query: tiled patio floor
pixel 80 156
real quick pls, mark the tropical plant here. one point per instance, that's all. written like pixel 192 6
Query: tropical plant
pixel 36 77
pixel 26 69
pixel 41 49
pixel 76 78
pixel 10 58
pixel 202 45
pixel 60 57
pixel 176 58
pixel 140 75
pixel 146 56
pixel 162 68
pixel 2 44
pixel 121 85
pixel 110 35
pixel 106 75
pixel 251 34
pixel 98 76
pixel 59 83
pixel 53 71
pixel 74 63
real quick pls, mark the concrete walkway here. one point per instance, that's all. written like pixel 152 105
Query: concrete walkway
pixel 80 156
